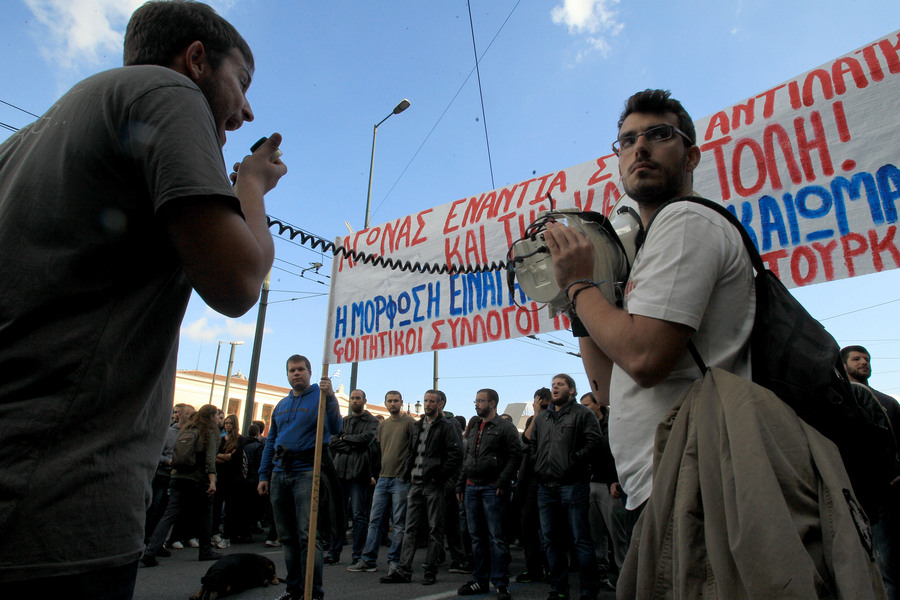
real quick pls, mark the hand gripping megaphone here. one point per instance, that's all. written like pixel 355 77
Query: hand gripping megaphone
pixel 615 243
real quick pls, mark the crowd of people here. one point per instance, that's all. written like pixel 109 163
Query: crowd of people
pixel 667 480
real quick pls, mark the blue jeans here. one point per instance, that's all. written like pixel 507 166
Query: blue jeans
pixel 355 491
pixel 567 506
pixel 389 491
pixel 485 512
pixel 291 494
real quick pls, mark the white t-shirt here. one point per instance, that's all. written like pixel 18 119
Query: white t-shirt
pixel 693 269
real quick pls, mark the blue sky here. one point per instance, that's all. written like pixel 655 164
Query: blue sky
pixel 554 76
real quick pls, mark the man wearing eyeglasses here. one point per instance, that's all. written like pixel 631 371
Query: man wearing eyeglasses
pixel 751 502
pixel 692 279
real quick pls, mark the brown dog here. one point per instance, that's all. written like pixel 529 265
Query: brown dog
pixel 235 573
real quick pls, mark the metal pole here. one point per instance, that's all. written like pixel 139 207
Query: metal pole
pixel 314 504
pixel 401 106
pixel 254 357
pixel 212 388
pixel 228 375
pixel 435 378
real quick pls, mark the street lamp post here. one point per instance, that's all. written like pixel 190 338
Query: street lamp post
pixel 401 106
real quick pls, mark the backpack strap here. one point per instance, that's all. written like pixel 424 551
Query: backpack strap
pixel 755 258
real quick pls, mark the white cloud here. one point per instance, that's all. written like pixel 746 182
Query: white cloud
pixel 594 20
pixel 76 34
pixel 213 326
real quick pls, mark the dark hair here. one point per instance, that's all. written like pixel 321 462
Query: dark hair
pixel 202 420
pixel 461 420
pixel 360 391
pixel 845 352
pixel 589 395
pixel 659 102
pixel 569 381
pixel 543 393
pixel 492 395
pixel 159 30
pixel 296 358
pixel 253 430
pixel 442 397
pixel 393 392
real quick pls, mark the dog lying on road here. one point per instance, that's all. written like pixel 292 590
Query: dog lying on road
pixel 235 573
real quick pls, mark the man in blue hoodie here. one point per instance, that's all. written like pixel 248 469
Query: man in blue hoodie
pixel 286 470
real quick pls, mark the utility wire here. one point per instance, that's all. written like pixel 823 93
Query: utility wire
pixel 22 109
pixel 6 126
pixel 487 141
pixel 860 309
pixel 452 100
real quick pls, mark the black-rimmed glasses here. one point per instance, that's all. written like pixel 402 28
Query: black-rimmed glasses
pixel 657 133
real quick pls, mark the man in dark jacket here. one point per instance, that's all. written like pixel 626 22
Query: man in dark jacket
pixel 435 454
pixel 485 482
pixel 564 438
pixel 351 452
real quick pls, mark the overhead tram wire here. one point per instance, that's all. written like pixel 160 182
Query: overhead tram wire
pixel 452 100
pixel 487 141
pixel 27 112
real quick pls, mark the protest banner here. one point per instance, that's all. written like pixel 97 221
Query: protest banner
pixel 808 166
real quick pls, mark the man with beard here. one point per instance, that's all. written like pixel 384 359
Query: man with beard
pixel 739 471
pixel 564 439
pixel 485 485
pixel 886 530
pixel 350 451
pixel 391 490
pixel 115 204
pixel 435 454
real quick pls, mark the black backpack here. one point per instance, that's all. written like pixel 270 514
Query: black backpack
pixel 796 358
pixel 187 445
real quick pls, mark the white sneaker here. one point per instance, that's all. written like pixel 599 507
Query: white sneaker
pixel 223 543
pixel 194 543
pixel 216 538
pixel 273 543
pixel 176 545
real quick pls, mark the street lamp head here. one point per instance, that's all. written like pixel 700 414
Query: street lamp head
pixel 404 104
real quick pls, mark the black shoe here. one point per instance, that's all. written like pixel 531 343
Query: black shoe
pixel 210 555
pixel 331 560
pixel 461 567
pixel 472 588
pixel 557 596
pixel 163 552
pixel 149 561
pixel 395 577
pixel 429 578
pixel 503 593
pixel 528 577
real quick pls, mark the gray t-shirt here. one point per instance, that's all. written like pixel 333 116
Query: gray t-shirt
pixel 91 300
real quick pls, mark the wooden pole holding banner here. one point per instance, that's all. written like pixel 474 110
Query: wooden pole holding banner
pixel 314 503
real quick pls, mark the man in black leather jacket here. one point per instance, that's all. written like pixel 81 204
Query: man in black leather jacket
pixel 435 454
pixel 491 457
pixel 564 438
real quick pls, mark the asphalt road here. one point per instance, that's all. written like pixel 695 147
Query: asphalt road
pixel 178 577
